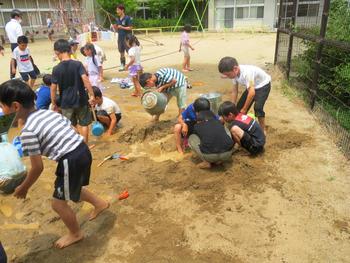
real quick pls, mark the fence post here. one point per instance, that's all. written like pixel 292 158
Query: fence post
pixel 291 31
pixel 278 32
pixel 318 57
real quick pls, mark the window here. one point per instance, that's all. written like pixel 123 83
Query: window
pixel 249 9
pixel 242 12
pixel 308 8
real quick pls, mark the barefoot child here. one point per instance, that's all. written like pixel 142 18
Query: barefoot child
pixel 210 140
pixel 108 112
pixel 134 65
pixel 169 81
pixel 185 46
pixel 256 81
pixel 47 133
pixel 187 120
pixel 93 66
pixel 244 129
pixel 43 94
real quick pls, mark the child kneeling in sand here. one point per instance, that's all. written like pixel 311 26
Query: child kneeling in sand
pixel 48 133
pixel 187 120
pixel 107 111
pixel 210 140
pixel 244 129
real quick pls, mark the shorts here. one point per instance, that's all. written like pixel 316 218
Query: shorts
pixel 122 47
pixel 25 75
pixel 260 98
pixel 186 50
pixel 73 172
pixel 104 113
pixel 81 115
pixel 134 70
pixel 250 144
pixel 180 94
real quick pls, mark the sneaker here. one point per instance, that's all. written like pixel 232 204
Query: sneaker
pixel 122 68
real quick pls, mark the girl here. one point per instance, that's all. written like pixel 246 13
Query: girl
pixel 134 65
pixel 93 65
pixel 185 46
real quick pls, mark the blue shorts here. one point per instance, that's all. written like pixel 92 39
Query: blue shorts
pixel 25 75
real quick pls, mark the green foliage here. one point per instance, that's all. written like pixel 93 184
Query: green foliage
pixel 146 23
pixel 110 5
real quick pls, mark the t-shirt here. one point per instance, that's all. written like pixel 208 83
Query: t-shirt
pixel 185 38
pixel 91 66
pixel 109 106
pixel 126 21
pixel 213 137
pixel 13 30
pixel 252 76
pixel 23 60
pixel 67 75
pixel 165 75
pixel 250 126
pixel 50 134
pixel 43 97
pixel 99 53
pixel 135 52
pixel 189 114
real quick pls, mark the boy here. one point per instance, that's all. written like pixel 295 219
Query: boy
pixel 43 97
pixel 185 46
pixel 256 81
pixel 71 79
pixel 169 81
pixel 187 119
pixel 108 112
pixel 24 62
pixel 244 129
pixel 48 133
pixel 210 140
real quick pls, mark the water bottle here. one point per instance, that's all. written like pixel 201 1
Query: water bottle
pixel 17 143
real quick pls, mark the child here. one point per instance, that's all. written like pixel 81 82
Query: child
pixel 93 66
pixel 169 81
pixel 187 120
pixel 24 62
pixel 210 141
pixel 2 50
pixel 185 46
pixel 108 112
pixel 134 64
pixel 256 81
pixel 74 47
pixel 73 84
pixel 244 129
pixel 47 133
pixel 43 95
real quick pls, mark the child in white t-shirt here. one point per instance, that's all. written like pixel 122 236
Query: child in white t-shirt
pixel 107 111
pixel 93 65
pixel 134 65
pixel 256 81
pixel 24 61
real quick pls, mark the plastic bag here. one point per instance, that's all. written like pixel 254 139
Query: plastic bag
pixel 12 170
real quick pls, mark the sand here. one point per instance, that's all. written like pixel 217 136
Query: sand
pixel 289 205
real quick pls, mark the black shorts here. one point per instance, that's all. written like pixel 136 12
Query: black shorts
pixel 25 75
pixel 122 47
pixel 73 172
pixel 260 98
pixel 104 113
pixel 250 144
pixel 190 125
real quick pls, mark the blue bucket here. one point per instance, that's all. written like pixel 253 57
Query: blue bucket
pixel 97 128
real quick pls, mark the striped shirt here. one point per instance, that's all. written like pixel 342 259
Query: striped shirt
pixel 50 134
pixel 165 75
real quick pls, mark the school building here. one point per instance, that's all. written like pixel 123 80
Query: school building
pixel 259 14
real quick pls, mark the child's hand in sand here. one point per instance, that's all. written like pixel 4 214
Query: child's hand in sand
pixel 21 192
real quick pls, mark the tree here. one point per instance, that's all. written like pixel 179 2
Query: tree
pixel 110 5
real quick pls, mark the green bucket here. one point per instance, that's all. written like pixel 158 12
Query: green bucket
pixel 154 102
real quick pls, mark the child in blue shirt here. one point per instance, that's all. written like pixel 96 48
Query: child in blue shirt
pixel 43 97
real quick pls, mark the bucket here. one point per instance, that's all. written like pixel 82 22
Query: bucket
pixel 97 128
pixel 154 102
pixel 214 99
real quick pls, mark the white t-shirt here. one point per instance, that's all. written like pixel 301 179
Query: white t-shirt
pixel 109 106
pixel 252 76
pixel 91 67
pixel 23 60
pixel 135 52
pixel 99 53
pixel 13 30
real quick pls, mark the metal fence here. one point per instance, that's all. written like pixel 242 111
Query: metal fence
pixel 317 61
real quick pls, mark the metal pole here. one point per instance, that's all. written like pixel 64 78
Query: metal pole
pixel 183 11
pixel 318 59
pixel 199 19
pixel 290 46
pixel 278 32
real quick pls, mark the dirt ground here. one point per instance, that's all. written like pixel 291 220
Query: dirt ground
pixel 291 204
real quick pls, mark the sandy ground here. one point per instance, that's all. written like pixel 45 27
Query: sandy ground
pixel 289 205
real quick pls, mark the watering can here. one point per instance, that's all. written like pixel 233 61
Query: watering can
pixel 97 128
pixel 154 102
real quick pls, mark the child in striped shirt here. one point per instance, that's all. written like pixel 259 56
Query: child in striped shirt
pixel 169 81
pixel 50 134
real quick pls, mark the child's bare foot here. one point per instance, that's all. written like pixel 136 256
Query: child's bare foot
pixel 98 210
pixel 204 165
pixel 189 69
pixel 68 240
pixel 185 70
